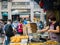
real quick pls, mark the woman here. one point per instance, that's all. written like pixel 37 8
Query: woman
pixel 53 29
pixel 20 28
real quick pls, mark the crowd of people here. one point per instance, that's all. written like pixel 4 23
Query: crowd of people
pixel 10 28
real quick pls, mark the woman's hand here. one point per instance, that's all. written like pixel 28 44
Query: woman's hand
pixel 38 31
pixel 49 31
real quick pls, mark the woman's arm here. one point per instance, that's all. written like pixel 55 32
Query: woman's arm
pixel 44 30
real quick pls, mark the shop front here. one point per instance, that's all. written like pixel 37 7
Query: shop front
pixel 21 13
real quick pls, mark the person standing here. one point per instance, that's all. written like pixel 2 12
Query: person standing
pixel 41 25
pixel 8 30
pixel 1 27
pixel 24 21
pixel 1 31
pixel 20 28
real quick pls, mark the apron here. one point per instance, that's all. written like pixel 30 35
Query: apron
pixel 54 36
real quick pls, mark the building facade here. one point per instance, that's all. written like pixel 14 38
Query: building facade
pixel 24 8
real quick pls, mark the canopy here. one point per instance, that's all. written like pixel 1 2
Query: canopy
pixel 15 12
pixel 4 14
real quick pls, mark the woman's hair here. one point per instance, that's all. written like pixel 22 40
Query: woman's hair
pixel 52 17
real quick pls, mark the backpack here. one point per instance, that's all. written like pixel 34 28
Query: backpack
pixel 9 30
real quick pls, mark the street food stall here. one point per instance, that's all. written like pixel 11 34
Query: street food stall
pixel 31 37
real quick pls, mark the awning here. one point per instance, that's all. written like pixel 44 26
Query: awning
pixel 15 12
pixel 4 14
